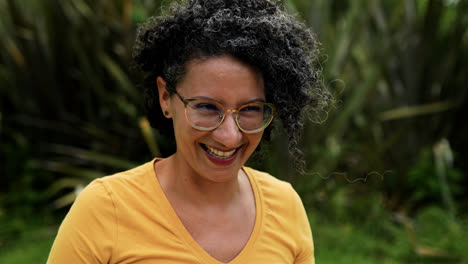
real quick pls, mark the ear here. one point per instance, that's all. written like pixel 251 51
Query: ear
pixel 164 97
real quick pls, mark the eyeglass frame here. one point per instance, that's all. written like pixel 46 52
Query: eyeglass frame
pixel 187 101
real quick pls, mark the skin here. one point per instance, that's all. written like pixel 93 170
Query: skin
pixel 212 201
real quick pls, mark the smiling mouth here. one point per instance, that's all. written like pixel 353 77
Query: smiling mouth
pixel 219 154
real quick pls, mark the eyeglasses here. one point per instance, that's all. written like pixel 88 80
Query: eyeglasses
pixel 206 114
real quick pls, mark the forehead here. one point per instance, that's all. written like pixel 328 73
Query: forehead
pixel 223 78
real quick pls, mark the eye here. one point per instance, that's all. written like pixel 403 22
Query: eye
pixel 252 108
pixel 205 106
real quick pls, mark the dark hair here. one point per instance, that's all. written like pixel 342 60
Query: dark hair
pixel 256 32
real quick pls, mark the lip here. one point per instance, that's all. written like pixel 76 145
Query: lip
pixel 220 149
pixel 222 162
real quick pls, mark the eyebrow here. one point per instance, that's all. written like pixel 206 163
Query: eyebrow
pixel 244 103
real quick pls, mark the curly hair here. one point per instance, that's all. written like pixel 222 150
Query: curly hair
pixel 257 32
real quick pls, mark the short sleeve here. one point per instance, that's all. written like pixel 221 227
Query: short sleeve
pixel 304 235
pixel 88 232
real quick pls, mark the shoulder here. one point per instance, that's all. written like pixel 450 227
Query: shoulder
pixel 108 194
pixel 284 214
pixel 277 195
pixel 102 196
pixel 89 230
pixel 124 177
pixel 268 182
pixel 129 181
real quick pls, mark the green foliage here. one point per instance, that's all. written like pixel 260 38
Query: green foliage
pixel 68 95
pixel 386 242
pixel 398 76
pixel 31 245
pixel 424 182
pixel 435 227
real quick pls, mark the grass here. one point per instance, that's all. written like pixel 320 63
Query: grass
pixel 343 244
pixel 430 238
pixel 31 246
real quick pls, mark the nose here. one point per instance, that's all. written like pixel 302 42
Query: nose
pixel 228 133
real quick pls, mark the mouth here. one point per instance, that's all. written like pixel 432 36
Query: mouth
pixel 218 153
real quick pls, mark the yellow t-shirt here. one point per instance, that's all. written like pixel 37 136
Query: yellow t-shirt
pixel 126 218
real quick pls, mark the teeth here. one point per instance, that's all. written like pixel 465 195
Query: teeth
pixel 220 154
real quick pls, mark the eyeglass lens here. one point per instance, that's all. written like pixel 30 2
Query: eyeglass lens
pixel 205 115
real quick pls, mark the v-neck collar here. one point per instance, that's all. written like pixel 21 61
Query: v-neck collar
pixel 187 237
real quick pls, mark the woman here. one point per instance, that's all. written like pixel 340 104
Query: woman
pixel 218 72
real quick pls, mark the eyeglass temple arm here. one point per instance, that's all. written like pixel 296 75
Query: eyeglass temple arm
pixel 185 101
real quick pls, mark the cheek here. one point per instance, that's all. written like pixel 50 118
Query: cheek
pixel 178 115
pixel 185 134
pixel 180 122
pixel 181 128
pixel 255 139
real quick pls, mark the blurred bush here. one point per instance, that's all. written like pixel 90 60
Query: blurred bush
pixel 69 105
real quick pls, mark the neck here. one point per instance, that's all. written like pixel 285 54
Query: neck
pixel 179 180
